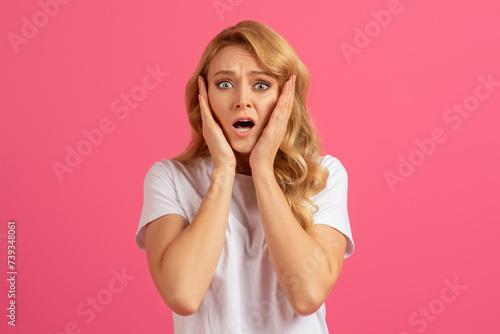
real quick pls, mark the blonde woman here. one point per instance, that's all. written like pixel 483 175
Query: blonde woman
pixel 246 230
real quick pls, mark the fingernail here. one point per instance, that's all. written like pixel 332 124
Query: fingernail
pixel 293 78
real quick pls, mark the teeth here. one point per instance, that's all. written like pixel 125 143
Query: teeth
pixel 244 120
pixel 243 125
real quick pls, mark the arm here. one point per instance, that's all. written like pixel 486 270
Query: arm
pixel 183 269
pixel 307 265
pixel 182 260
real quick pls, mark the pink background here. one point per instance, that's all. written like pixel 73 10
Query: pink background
pixel 434 224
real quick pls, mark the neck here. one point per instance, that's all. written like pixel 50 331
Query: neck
pixel 242 164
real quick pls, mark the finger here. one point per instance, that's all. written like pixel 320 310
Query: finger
pixel 201 89
pixel 292 91
pixel 203 100
pixel 284 103
pixel 287 102
pixel 290 99
pixel 290 94
pixel 201 86
pixel 275 120
pixel 202 107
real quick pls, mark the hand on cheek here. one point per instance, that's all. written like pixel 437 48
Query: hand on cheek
pixel 264 152
pixel 220 150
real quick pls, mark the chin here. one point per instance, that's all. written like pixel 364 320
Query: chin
pixel 243 149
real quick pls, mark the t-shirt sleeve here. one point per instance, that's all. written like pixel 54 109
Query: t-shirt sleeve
pixel 160 198
pixel 332 202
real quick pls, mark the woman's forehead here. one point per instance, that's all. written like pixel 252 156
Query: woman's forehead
pixel 234 58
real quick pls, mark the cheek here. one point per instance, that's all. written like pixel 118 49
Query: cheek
pixel 216 105
pixel 267 105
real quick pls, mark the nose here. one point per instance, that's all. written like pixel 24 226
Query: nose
pixel 242 98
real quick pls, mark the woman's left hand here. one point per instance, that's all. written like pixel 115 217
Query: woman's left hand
pixel 264 151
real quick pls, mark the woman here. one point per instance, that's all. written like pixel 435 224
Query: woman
pixel 247 229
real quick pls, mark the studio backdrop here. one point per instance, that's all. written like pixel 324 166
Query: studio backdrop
pixel 406 94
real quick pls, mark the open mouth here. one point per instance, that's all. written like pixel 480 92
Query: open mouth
pixel 243 125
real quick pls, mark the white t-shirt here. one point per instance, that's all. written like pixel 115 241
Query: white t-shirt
pixel 244 295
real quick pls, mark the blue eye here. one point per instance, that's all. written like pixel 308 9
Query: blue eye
pixel 224 84
pixel 263 85
pixel 259 86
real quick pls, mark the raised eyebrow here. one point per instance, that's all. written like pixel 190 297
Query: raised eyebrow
pixel 249 73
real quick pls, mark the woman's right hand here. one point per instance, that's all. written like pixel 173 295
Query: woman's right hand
pixel 220 150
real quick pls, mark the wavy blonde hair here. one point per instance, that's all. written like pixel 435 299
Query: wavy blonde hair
pixel 296 165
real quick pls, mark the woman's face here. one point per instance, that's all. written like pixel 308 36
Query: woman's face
pixel 239 87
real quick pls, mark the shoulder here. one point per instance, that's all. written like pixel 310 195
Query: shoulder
pixel 170 170
pixel 328 160
pixel 169 166
pixel 161 168
pixel 334 166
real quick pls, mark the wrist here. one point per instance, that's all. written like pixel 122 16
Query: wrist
pixel 263 173
pixel 223 173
